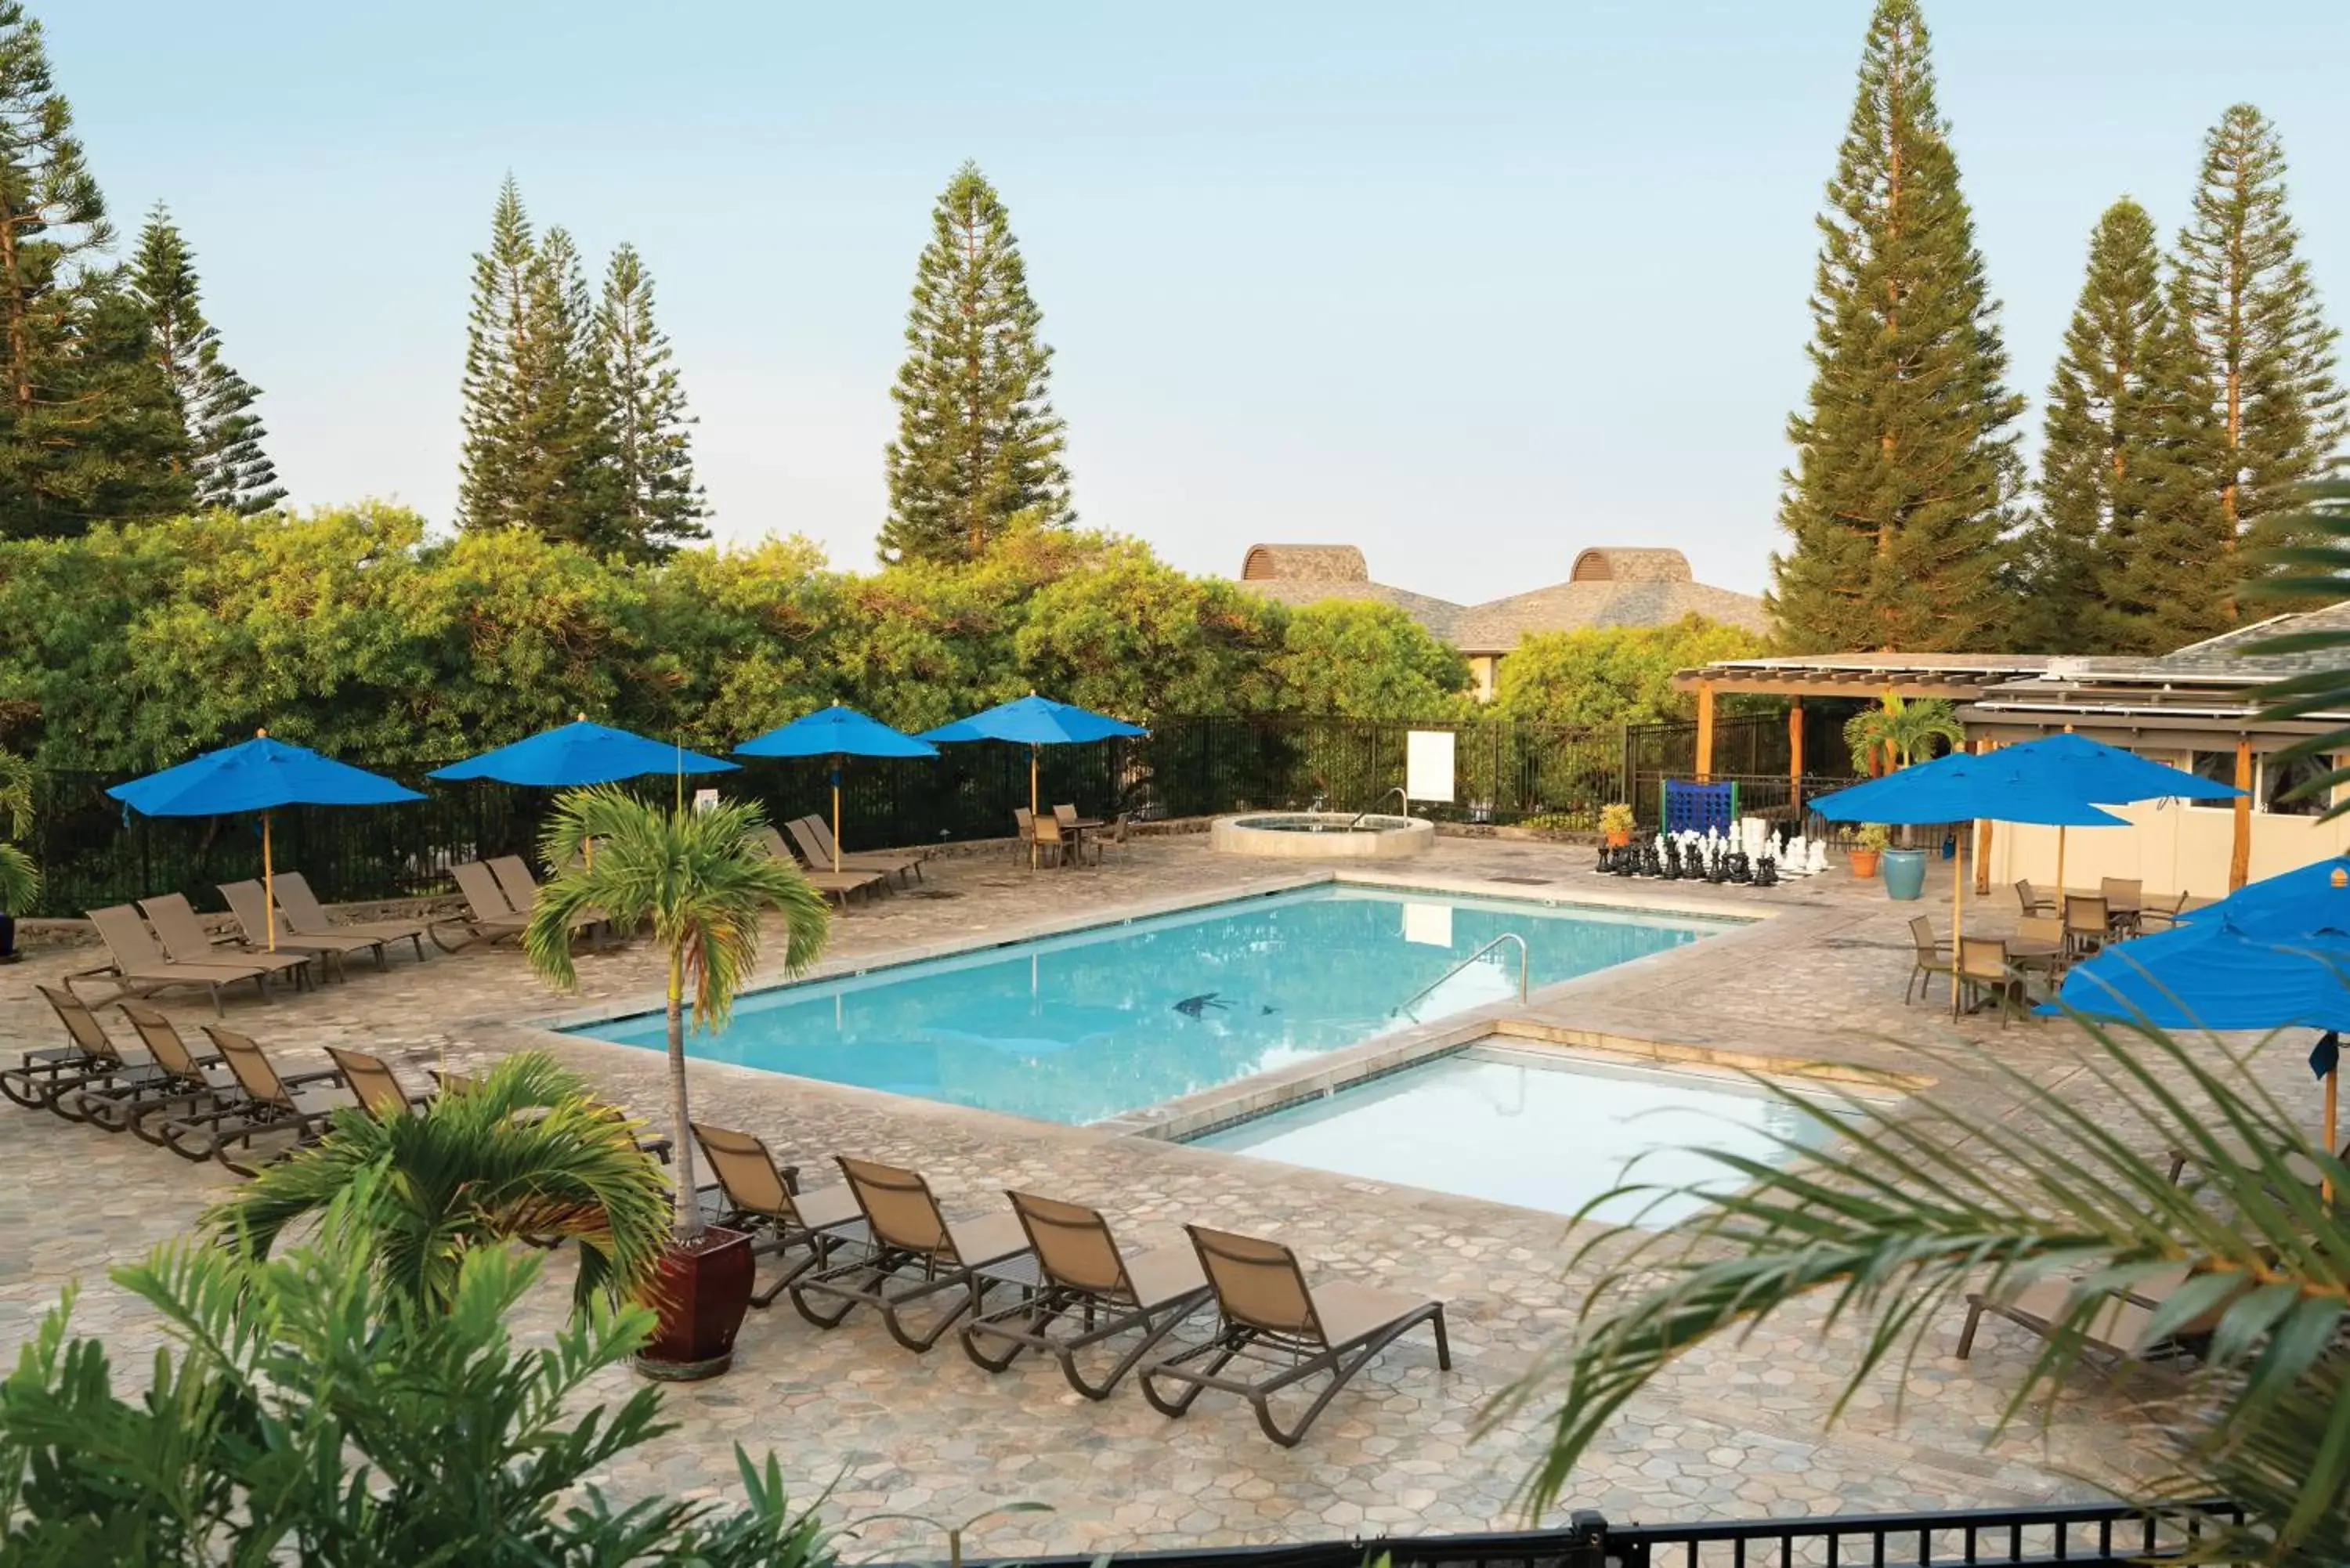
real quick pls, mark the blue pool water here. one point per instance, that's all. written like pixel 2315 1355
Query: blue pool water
pixel 1079 1027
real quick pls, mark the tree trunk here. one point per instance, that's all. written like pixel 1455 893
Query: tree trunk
pixel 687 1223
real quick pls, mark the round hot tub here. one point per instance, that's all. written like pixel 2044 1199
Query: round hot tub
pixel 1320 835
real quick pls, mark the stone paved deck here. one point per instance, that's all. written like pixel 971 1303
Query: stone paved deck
pixel 1735 1429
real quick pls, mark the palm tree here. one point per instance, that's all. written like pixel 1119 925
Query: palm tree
pixel 20 879
pixel 525 1152
pixel 1905 728
pixel 703 880
pixel 2312 574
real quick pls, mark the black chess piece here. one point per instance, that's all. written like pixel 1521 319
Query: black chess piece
pixel 1766 874
pixel 1605 852
pixel 1741 870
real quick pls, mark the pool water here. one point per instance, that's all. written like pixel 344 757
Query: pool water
pixel 1084 1026
pixel 1534 1129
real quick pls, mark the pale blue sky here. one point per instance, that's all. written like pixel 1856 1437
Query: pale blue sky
pixel 1472 287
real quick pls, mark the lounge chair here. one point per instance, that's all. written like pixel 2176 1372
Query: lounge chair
pixel 2118 1332
pixel 830 884
pixel 488 918
pixel 914 1245
pixel 1268 1311
pixel 513 875
pixel 55 1077
pixel 185 940
pixel 375 1085
pixel 894 862
pixel 176 1113
pixel 302 1103
pixel 255 917
pixel 306 917
pixel 2297 1162
pixel 1086 1277
pixel 1932 956
pixel 139 968
pixel 763 1198
pixel 814 861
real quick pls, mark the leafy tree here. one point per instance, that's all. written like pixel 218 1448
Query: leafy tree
pixel 1134 636
pixel 701 879
pixel 226 465
pixel 1906 470
pixel 470 1170
pixel 740 640
pixel 1612 675
pixel 1903 730
pixel 305 1412
pixel 1898 1211
pixel 978 452
pixel 2248 299
pixel 2131 552
pixel 655 504
pixel 1357 658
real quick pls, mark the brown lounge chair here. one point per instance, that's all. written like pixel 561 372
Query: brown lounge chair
pixel 255 915
pixel 820 848
pixel 303 1103
pixel 1086 1276
pixel 375 1085
pixel 56 1077
pixel 306 917
pixel 914 1245
pixel 488 917
pixel 2118 1332
pixel 185 940
pixel 187 1088
pixel 514 878
pixel 831 885
pixel 763 1198
pixel 1268 1311
pixel 139 968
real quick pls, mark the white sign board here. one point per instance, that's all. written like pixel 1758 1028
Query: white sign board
pixel 705 800
pixel 1428 766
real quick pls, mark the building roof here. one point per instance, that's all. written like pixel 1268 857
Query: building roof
pixel 1613 586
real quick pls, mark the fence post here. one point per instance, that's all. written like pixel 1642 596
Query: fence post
pixel 1586 1539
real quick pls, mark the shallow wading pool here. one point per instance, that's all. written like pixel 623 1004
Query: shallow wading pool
pixel 1115 1018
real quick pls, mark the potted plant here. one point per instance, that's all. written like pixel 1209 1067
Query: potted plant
pixel 1615 821
pixel 1868 845
pixel 702 881
pixel 1901 732
pixel 20 880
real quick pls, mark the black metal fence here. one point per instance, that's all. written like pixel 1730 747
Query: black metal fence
pixel 2088 1533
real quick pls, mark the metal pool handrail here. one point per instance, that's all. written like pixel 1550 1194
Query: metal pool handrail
pixel 1524 962
pixel 1375 806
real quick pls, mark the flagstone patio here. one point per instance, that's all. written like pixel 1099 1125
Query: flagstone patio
pixel 1734 1429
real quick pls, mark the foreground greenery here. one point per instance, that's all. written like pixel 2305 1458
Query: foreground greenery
pixel 306 1413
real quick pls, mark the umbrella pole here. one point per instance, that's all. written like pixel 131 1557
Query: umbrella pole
pixel 1957 925
pixel 1031 808
pixel 2060 870
pixel 2333 1128
pixel 836 816
pixel 268 883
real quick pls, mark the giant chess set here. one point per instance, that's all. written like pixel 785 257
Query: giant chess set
pixel 1754 855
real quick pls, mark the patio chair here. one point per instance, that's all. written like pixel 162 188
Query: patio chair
pixel 2117 1332
pixel 2045 928
pixel 1266 1312
pixel 53 1077
pixel 2087 926
pixel 2297 1163
pixel 2124 897
pixel 306 917
pixel 2033 901
pixel 1985 972
pixel 139 967
pixel 2161 914
pixel 255 915
pixel 186 1087
pixel 1024 826
pixel 895 862
pixel 1114 837
pixel 814 861
pixel 913 1245
pixel 376 1086
pixel 763 1196
pixel 1085 1276
pixel 185 940
pixel 488 918
pixel 1930 957
pixel 302 1103
pixel 1054 847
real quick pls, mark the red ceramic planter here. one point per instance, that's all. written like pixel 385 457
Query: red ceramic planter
pixel 702 1290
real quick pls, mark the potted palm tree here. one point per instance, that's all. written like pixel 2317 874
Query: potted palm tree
pixel 702 881
pixel 1897 732
pixel 20 879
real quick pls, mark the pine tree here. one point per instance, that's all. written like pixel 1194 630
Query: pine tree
pixel 654 503
pixel 2130 551
pixel 1907 470
pixel 2255 311
pixel 88 432
pixel 978 452
pixel 225 464
pixel 490 481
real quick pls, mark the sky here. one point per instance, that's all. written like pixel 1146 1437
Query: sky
pixel 1471 287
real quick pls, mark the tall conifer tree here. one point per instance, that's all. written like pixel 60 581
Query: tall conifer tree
pixel 1906 470
pixel 2130 551
pixel 88 429
pixel 225 463
pixel 497 333
pixel 654 503
pixel 978 452
pixel 2254 311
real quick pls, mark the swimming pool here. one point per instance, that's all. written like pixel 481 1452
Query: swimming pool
pixel 1535 1129
pixel 1082 1026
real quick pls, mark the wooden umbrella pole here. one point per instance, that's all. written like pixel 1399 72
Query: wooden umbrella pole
pixel 268 883
pixel 2059 871
pixel 1958 929
pixel 1031 805
pixel 836 816
pixel 2333 1128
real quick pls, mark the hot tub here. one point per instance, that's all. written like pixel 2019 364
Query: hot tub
pixel 1320 835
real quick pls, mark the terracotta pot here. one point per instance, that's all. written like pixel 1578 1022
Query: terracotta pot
pixel 1864 862
pixel 701 1289
pixel 1619 838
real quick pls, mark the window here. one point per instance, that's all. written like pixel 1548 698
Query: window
pixel 2219 767
pixel 2280 776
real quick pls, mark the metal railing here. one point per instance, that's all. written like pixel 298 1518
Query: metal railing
pixel 1524 966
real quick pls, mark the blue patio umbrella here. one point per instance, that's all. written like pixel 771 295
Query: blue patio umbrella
pixel 1963 788
pixel 2309 897
pixel 2110 776
pixel 260 774
pixel 836 731
pixel 1033 721
pixel 581 752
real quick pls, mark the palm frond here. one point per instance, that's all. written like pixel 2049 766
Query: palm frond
pixel 20 880
pixel 2314 572
pixel 1915 1203
pixel 16 793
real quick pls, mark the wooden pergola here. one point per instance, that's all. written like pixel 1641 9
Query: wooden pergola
pixel 1959 677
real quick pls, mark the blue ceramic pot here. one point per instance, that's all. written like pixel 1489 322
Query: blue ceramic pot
pixel 1904 871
